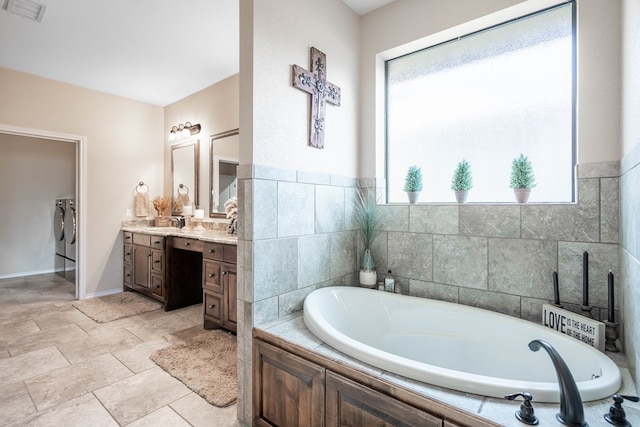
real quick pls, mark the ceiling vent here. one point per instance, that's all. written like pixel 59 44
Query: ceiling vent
pixel 27 9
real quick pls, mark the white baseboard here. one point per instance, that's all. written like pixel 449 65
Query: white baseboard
pixel 27 273
pixel 103 293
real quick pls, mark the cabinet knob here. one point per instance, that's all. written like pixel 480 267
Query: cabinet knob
pixel 128 238
pixel 128 275
pixel 187 243
pixel 212 251
pixel 212 306
pixel 157 286
pixel 224 273
pixel 212 275
pixel 157 261
pixel 128 253
pixel 157 242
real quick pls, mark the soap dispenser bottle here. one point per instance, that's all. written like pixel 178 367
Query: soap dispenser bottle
pixel 389 282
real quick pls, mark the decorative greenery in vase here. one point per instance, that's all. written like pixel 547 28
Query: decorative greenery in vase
pixel 369 217
pixel 462 181
pixel 413 180
pixel 161 204
pixel 522 178
pixel 413 183
pixel 522 173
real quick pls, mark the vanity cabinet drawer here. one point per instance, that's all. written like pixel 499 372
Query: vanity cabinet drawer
pixel 188 244
pixel 141 239
pixel 220 252
pixel 127 274
pixel 157 262
pixel 127 237
pixel 213 251
pixel 213 276
pixel 213 307
pixel 157 284
pixel 157 242
pixel 128 253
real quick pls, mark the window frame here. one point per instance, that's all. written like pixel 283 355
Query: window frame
pixel 469 29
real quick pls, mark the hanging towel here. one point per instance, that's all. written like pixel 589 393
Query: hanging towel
pixel 142 204
pixel 182 198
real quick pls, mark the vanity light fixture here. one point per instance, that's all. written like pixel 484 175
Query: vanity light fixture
pixel 184 131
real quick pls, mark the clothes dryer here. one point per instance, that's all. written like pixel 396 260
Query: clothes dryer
pixel 58 227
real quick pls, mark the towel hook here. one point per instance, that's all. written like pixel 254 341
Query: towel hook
pixel 183 187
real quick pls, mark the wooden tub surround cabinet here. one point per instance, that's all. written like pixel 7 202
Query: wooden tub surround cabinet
pixel 182 270
pixel 293 386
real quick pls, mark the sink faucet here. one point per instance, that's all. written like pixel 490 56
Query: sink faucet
pixel 179 221
pixel 571 410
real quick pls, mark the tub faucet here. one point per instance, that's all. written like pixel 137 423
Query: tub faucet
pixel 571 410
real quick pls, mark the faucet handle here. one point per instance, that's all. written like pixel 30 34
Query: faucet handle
pixel 526 413
pixel 616 415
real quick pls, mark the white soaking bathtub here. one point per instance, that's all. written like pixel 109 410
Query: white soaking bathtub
pixel 454 346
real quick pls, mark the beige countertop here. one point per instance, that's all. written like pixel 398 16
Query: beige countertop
pixel 293 330
pixel 217 236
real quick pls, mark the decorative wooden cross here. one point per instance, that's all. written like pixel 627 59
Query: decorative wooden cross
pixel 315 83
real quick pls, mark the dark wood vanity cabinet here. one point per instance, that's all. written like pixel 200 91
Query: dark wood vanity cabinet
pixel 145 264
pixel 182 271
pixel 287 390
pixel 293 386
pixel 219 286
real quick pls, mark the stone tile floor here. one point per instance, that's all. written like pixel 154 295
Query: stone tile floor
pixel 59 367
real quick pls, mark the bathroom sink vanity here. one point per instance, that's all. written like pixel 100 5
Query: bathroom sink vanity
pixel 180 269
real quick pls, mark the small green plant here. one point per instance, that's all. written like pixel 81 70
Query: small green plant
pixel 368 215
pixel 462 180
pixel 413 181
pixel 522 173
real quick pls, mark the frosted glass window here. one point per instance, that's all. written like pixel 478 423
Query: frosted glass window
pixel 486 98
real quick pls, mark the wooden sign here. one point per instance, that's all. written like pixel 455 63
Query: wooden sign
pixel 582 328
pixel 315 83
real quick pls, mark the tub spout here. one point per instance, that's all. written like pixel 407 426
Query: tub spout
pixel 571 410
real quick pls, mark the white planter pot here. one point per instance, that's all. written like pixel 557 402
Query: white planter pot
pixel 368 278
pixel 461 196
pixel 522 194
pixel 413 196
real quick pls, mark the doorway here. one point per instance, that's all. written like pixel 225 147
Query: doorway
pixel 79 190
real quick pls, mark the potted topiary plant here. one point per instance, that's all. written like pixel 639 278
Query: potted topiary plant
pixel 369 217
pixel 522 178
pixel 462 181
pixel 413 183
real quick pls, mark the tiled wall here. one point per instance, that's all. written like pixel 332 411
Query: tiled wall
pixel 502 257
pixel 630 256
pixel 296 233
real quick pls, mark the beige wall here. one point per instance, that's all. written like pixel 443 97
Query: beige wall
pixel 403 22
pixel 282 34
pixel 33 173
pixel 630 72
pixel 216 108
pixel 123 146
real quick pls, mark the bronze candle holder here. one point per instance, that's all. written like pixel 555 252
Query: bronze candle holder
pixel 610 336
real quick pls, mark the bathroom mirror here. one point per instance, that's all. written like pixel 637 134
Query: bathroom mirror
pixel 185 164
pixel 223 163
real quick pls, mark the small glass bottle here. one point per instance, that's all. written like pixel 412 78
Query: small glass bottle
pixel 389 282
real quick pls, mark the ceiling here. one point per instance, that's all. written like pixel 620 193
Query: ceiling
pixel 155 51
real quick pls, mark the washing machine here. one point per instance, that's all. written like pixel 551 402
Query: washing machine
pixel 58 227
pixel 70 229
